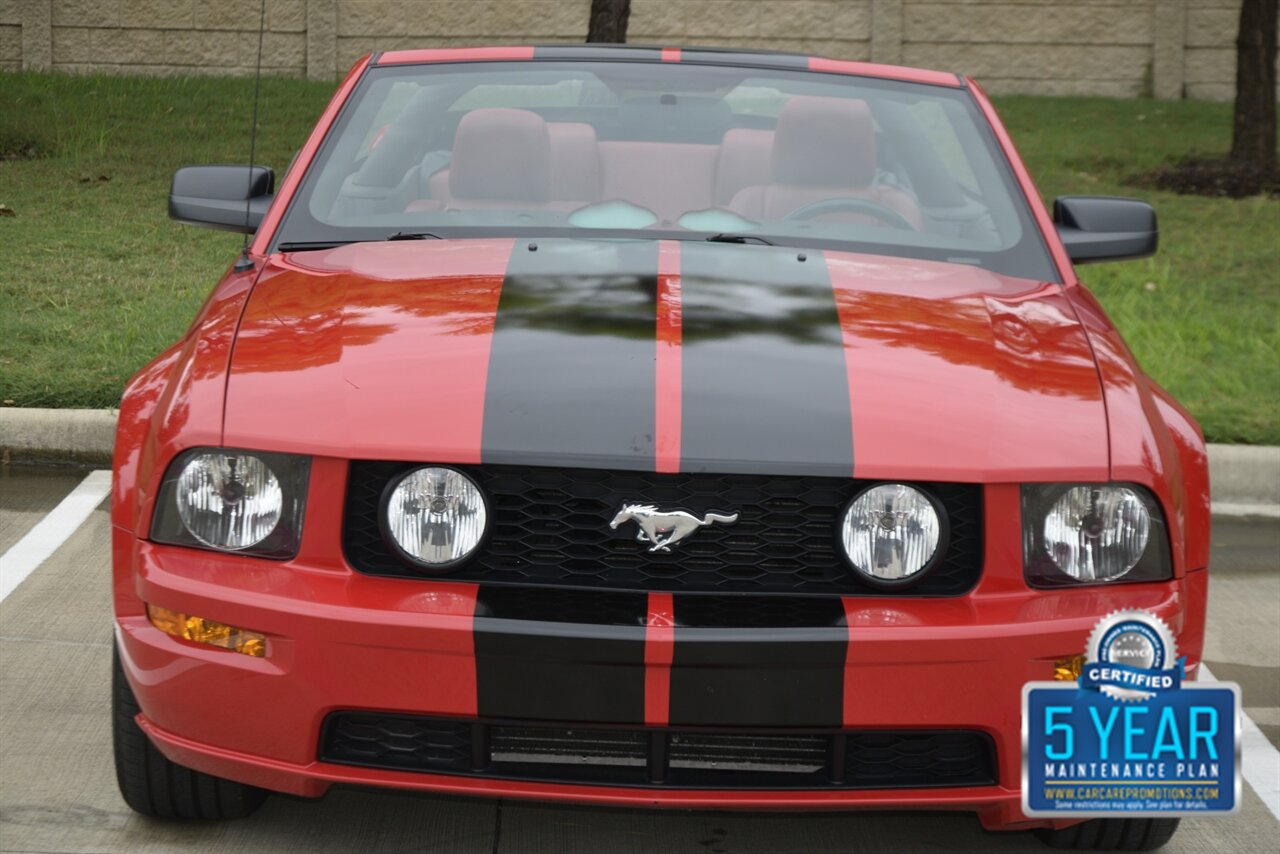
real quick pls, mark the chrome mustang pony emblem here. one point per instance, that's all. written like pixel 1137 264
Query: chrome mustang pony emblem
pixel 665 528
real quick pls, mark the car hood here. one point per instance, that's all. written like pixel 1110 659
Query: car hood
pixel 669 356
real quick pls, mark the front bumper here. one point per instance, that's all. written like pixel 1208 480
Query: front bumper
pixel 341 641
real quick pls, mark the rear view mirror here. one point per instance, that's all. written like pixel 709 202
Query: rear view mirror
pixel 1105 228
pixel 216 196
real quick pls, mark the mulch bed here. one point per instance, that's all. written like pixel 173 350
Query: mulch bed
pixel 1204 176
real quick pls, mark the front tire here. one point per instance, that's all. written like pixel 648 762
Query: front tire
pixel 1112 834
pixel 154 786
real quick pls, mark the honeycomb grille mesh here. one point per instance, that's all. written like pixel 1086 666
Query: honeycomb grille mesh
pixel 918 758
pixel 551 526
pixel 388 741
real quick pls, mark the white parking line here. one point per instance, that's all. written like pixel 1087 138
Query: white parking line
pixel 24 556
pixel 1261 759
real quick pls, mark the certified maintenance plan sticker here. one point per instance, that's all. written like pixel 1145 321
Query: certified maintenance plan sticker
pixel 1130 738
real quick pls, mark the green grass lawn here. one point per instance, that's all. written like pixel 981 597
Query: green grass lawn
pixel 97 280
pixel 1203 315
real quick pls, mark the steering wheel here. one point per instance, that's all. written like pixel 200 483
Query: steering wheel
pixel 848 204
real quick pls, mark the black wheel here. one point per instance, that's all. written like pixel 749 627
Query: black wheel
pixel 152 785
pixel 1112 834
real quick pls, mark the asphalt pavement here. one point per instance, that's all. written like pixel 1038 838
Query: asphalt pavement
pixel 57 786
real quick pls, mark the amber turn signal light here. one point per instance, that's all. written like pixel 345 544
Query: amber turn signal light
pixel 200 630
pixel 1068 669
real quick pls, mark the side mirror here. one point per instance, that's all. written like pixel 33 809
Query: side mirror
pixel 1105 228
pixel 216 196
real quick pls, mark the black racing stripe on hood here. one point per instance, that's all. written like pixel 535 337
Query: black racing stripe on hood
pixel 560 655
pixel 765 389
pixel 571 367
pixel 758 661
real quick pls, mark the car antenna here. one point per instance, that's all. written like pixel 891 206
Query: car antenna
pixel 244 262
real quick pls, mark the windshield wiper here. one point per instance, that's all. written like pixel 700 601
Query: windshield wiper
pixel 306 246
pixel 738 238
pixel 415 235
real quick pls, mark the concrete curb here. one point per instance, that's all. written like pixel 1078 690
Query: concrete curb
pixel 1245 478
pixel 58 435
pixel 1245 474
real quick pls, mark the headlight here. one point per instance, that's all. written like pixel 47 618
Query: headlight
pixel 1092 533
pixel 229 501
pixel 433 516
pixel 891 534
pixel 235 501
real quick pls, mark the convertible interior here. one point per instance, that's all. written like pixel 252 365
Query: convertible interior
pixel 823 149
pixel 624 148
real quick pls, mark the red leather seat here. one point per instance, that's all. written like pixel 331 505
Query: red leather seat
pixel 746 159
pixel 575 162
pixel 501 159
pixel 513 160
pixel 668 178
pixel 824 148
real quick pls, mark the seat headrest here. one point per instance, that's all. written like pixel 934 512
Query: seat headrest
pixel 824 142
pixel 575 162
pixel 501 154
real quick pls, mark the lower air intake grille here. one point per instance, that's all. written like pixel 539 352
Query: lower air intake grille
pixel 659 757
pixel 409 744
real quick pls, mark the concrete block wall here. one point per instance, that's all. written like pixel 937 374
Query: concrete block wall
pixel 1120 48
pixel 365 25
pixel 10 35
pixel 821 27
pixel 161 37
pixel 1079 48
pixel 1209 58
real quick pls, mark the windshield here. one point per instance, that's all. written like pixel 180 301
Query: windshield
pixel 683 151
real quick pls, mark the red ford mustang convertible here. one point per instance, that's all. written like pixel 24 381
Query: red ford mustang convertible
pixel 640 426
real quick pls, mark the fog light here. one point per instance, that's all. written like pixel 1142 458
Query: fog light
pixel 200 630
pixel 891 534
pixel 434 516
pixel 1068 669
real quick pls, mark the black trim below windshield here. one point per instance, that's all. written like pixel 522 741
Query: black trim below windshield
pixel 894 250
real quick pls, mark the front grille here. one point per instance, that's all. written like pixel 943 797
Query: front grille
pixel 551 526
pixel 406 743
pixel 870 759
pixel 525 745
pixel 727 752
